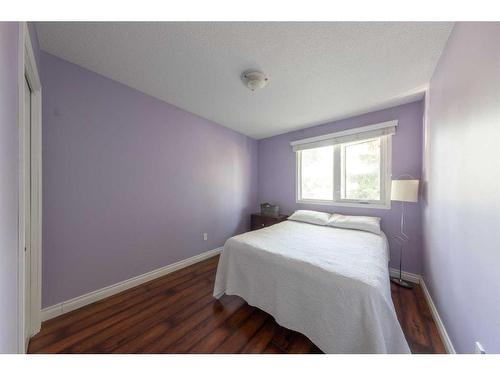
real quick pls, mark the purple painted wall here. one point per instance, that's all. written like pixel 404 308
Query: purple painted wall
pixel 277 172
pixel 462 168
pixel 130 182
pixel 9 186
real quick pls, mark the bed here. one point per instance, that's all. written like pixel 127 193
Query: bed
pixel 328 283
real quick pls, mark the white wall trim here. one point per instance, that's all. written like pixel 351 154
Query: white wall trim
pixel 385 175
pixel 27 68
pixel 343 133
pixel 412 277
pixel 88 298
pixel 437 319
pixel 418 279
pixel 91 297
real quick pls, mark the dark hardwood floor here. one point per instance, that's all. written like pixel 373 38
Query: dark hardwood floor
pixel 177 314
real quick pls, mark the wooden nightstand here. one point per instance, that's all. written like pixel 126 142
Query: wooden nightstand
pixel 259 221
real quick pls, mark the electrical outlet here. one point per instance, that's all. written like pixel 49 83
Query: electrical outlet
pixel 205 236
pixel 478 348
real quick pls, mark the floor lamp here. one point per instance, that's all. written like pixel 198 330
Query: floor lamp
pixel 403 191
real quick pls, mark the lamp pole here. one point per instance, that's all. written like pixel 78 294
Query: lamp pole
pixel 403 191
pixel 402 238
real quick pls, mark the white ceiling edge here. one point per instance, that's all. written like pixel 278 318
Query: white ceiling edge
pixel 396 102
pixel 156 97
pixel 209 57
pixel 408 98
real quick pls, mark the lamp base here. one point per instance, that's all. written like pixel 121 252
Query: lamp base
pixel 401 282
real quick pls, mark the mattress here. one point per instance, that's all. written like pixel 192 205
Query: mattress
pixel 330 284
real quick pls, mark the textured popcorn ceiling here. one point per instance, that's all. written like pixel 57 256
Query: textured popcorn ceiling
pixel 318 72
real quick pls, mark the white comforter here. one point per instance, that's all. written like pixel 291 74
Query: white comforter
pixel 330 284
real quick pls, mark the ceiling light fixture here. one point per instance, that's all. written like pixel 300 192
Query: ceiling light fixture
pixel 254 80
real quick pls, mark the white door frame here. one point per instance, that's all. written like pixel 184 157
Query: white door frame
pixel 27 68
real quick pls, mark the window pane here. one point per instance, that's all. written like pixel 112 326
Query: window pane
pixel 317 173
pixel 361 174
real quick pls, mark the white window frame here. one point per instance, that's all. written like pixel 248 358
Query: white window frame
pixel 385 176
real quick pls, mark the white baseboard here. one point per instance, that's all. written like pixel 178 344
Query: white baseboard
pixel 437 319
pixel 412 277
pixel 418 279
pixel 88 298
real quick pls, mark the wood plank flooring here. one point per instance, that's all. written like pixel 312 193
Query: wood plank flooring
pixel 177 314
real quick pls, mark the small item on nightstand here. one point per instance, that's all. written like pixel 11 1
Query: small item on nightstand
pixel 268 209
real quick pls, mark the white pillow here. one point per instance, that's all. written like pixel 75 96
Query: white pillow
pixel 364 223
pixel 311 217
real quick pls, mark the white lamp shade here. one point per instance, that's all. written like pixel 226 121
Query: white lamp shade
pixel 404 190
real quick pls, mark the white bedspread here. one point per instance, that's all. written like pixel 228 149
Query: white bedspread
pixel 330 284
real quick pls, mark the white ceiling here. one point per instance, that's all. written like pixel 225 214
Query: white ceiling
pixel 318 72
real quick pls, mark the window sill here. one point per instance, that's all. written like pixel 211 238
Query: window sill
pixel 379 206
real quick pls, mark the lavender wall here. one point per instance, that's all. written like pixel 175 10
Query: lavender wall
pixel 462 210
pixel 131 182
pixel 277 172
pixel 9 186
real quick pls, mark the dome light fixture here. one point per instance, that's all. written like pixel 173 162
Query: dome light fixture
pixel 254 80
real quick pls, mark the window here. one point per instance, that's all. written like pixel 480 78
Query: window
pixel 317 173
pixel 350 168
pixel 360 170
